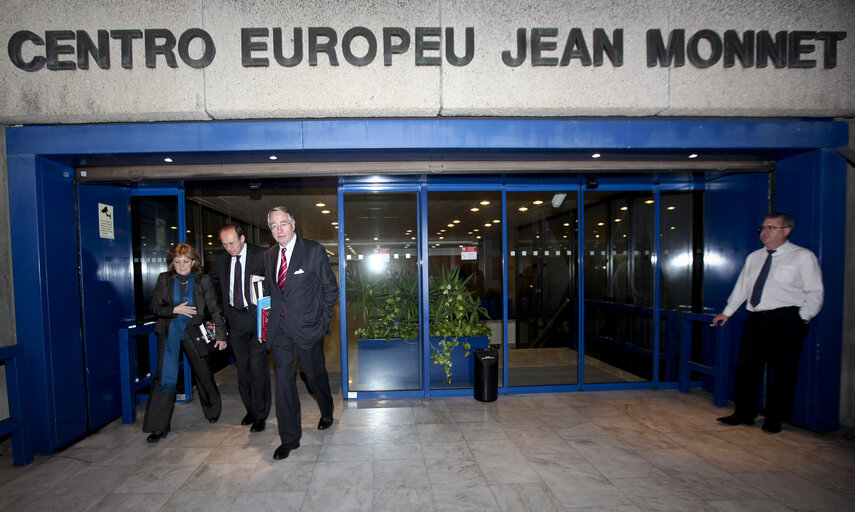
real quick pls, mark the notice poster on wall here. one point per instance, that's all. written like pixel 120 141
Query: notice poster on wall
pixel 106 227
pixel 469 252
pixel 381 255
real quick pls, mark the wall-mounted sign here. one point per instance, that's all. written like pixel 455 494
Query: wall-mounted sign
pixel 469 252
pixel 106 226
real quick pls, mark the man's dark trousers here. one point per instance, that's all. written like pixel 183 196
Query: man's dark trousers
pixel 775 338
pixel 253 369
pixel 285 355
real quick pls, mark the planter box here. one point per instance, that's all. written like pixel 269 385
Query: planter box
pixel 389 366
pixel 462 368
pixel 396 365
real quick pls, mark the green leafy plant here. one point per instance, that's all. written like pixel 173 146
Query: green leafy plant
pixel 390 309
pixel 455 312
pixel 389 306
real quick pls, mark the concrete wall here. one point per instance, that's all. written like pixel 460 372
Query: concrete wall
pixel 226 88
pixel 7 296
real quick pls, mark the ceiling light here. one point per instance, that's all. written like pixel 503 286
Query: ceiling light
pixel 523 209
pixel 601 223
pixel 474 209
pixel 273 157
pixel 566 224
pixel 320 205
pixel 624 208
pixel 487 225
pixel 325 211
pixel 596 155
pixel 375 239
pixel 456 221
pixel 496 221
pixel 450 225
pixel 334 223
pixel 671 208
pixel 649 201
pixel 168 160
pixel 485 203
pixel 537 202
pixel 693 155
pixel 617 220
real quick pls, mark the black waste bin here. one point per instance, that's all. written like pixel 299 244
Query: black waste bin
pixel 486 374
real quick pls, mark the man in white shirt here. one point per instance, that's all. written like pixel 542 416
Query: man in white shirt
pixel 782 284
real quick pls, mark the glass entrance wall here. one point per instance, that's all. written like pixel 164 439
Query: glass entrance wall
pixel 382 291
pixel 465 279
pixel 154 228
pixel 619 286
pixel 542 288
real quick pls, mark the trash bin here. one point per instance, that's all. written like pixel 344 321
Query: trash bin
pixel 486 374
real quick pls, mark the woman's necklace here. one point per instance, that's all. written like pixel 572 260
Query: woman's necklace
pixel 184 281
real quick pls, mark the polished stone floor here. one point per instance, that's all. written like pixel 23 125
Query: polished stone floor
pixel 589 451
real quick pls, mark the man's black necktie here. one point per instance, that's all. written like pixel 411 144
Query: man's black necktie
pixel 237 289
pixel 757 292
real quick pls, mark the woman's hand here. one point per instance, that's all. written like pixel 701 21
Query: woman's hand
pixel 184 309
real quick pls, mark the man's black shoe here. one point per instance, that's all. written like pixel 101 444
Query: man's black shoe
pixel 257 426
pixel 325 423
pixel 284 450
pixel 771 426
pixel 735 419
pixel 247 420
pixel 153 438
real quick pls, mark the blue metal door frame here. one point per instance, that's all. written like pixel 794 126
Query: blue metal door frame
pixel 41 162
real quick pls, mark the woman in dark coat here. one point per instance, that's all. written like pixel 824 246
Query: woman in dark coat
pixel 183 299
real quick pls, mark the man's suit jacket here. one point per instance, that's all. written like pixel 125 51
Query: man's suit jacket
pixel 310 294
pixel 254 265
pixel 204 296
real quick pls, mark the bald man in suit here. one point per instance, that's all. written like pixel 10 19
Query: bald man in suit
pixel 234 269
pixel 303 292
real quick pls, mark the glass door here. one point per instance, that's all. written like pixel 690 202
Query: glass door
pixel 543 345
pixel 620 256
pixel 464 230
pixel 381 261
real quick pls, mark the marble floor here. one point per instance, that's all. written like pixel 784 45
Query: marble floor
pixel 589 451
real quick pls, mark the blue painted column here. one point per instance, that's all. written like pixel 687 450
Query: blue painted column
pixel 47 298
pixel 812 188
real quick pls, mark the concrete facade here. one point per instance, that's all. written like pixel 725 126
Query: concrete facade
pixel 232 81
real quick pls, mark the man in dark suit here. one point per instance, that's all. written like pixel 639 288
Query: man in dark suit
pixel 303 293
pixel 234 270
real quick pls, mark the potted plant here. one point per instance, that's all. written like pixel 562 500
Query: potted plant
pixel 389 308
pixel 455 320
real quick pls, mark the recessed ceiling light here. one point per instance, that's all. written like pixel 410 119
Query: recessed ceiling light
pixel 624 208
pixel 693 155
pixel 566 224
pixel 376 238
pixel 596 155
pixel 168 160
pixel 334 223
pixel 601 223
pixel 325 211
pixel 537 202
pixel 649 201
pixel 273 157
pixel 320 205
pixel 487 225
pixel 474 209
pixel 671 208
pixel 485 203
pixel 456 221
pixel 496 221
pixel 617 220
pixel 523 209
pixel 450 225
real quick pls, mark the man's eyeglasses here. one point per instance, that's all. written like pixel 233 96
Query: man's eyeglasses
pixel 769 228
pixel 229 245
